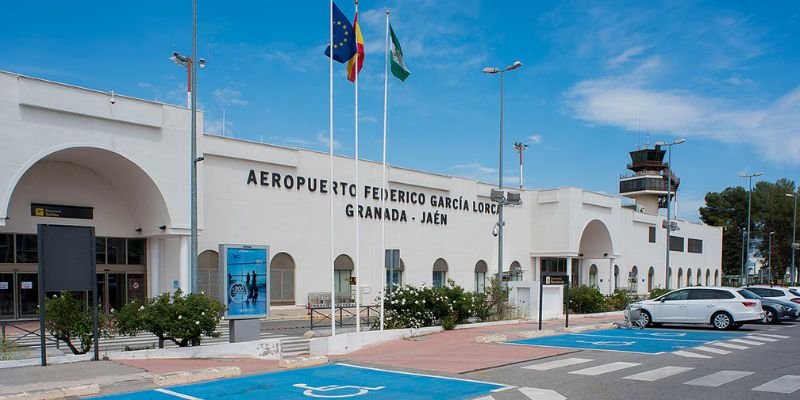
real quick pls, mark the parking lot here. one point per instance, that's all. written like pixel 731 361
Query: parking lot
pixel 335 381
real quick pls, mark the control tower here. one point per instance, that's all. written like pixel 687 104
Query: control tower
pixel 647 184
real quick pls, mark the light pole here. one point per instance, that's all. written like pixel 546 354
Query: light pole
pixel 794 235
pixel 500 223
pixel 669 201
pixel 191 67
pixel 769 271
pixel 749 198
pixel 744 257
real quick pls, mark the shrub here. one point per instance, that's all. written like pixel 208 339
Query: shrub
pixel 182 319
pixel 67 319
pixel 414 307
pixel 586 299
pixel 618 301
pixel 657 291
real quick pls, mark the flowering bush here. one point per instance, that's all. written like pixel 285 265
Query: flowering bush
pixel 183 319
pixel 69 320
pixel 414 307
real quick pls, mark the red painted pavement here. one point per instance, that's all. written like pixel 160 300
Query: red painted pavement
pixel 452 352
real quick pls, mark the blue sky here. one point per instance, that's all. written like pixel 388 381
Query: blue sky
pixel 597 77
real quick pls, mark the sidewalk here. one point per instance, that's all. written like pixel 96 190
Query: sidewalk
pixel 450 352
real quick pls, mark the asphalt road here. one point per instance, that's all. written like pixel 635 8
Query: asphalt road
pixel 760 368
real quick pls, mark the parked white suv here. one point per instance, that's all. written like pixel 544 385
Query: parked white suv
pixel 722 307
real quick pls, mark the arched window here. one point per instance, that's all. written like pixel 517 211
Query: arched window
pixel 281 275
pixel 650 278
pixel 689 277
pixel 593 275
pixel 208 269
pixel 699 277
pixel 439 272
pixel 680 278
pixel 480 276
pixel 716 277
pixel 342 271
pixel 515 270
pixel 616 277
pixel 633 280
pixel 669 277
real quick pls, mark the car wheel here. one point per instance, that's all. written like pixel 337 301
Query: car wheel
pixel 646 319
pixel 769 316
pixel 722 320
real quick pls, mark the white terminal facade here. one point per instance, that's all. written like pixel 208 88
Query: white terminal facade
pixel 75 156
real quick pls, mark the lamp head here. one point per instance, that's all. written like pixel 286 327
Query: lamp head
pixel 758 174
pixel 514 66
pixel 679 141
pixel 490 70
pixel 789 194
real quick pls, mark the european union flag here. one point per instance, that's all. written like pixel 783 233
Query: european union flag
pixel 344 40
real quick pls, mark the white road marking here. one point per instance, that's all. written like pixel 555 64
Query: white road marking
pixel 712 350
pixel 605 368
pixel 729 345
pixel 719 378
pixel 689 354
pixel 763 339
pixel 485 398
pixel 773 336
pixel 176 394
pixel 785 384
pixel 742 341
pixel 541 394
pixel 557 364
pixel 500 389
pixel 659 373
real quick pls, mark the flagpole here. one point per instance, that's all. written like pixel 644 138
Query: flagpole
pixel 383 179
pixel 330 195
pixel 358 263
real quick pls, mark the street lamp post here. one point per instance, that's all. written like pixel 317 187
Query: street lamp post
pixel 769 271
pixel 744 257
pixel 669 202
pixel 500 223
pixel 749 198
pixel 794 236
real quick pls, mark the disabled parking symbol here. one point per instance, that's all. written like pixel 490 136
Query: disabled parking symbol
pixel 608 342
pixel 335 391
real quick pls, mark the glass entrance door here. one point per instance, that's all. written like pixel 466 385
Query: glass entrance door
pixel 6 295
pixel 28 286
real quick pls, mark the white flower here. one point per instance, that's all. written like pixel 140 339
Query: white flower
pixel 141 308
pixel 180 316
pixel 55 296
pixel 203 313
pixel 197 322
pixel 112 310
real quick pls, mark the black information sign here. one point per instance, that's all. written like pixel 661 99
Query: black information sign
pixel 61 211
pixel 556 280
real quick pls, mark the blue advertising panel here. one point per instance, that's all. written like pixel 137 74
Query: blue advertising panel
pixel 245 274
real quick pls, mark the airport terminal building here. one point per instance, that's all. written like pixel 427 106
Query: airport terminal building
pixel 77 156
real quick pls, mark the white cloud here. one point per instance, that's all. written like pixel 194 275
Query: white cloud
pixel 627 55
pixel 474 168
pixel 229 96
pixel 214 126
pixel 621 101
pixel 535 139
pixel 320 141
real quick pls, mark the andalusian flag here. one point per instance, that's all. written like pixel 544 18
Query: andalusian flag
pixel 351 70
pixel 399 69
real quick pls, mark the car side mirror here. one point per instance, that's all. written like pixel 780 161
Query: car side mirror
pixel 663 299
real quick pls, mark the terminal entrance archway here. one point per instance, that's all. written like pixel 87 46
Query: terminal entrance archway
pixel 281 275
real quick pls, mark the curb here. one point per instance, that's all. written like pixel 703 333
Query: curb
pixel 558 331
pixel 491 339
pixel 302 362
pixel 182 377
pixel 53 394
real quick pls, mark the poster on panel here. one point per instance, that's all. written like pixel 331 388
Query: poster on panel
pixel 245 274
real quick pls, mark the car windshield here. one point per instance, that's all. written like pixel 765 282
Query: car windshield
pixel 749 295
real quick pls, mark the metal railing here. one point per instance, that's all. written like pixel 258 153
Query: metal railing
pixel 344 315
pixel 21 325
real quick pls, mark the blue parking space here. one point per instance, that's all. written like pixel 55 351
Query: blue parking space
pixel 653 341
pixel 336 381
